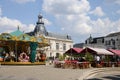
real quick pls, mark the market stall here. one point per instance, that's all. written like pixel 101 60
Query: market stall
pixel 100 57
pixel 116 57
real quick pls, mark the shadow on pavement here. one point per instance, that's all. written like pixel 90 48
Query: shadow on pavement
pixel 112 77
pixel 94 79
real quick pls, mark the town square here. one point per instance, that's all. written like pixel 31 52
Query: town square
pixel 59 40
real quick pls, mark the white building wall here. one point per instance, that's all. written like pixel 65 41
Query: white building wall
pixel 51 50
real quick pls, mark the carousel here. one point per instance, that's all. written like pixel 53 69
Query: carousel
pixel 18 48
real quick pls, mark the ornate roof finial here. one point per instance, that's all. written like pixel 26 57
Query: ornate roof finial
pixel 40 16
pixel 40 19
pixel 90 39
pixel 18 27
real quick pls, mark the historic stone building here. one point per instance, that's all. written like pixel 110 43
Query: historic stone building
pixel 58 43
pixel 95 42
pixel 110 41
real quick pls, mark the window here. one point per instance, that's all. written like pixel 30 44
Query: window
pixel 57 55
pixel 57 46
pixel 64 46
pixel 107 42
pixel 70 46
pixel 50 54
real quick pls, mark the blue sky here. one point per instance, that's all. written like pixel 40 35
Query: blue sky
pixel 78 18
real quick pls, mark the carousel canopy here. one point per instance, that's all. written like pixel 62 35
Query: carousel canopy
pixel 99 51
pixel 6 36
pixel 21 36
pixel 116 52
pixel 16 33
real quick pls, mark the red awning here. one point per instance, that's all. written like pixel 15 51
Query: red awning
pixel 116 52
pixel 74 50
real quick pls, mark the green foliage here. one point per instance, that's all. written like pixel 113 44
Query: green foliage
pixel 107 59
pixel 61 57
pixel 89 57
pixel 1 49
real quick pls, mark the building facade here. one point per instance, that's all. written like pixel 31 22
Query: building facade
pixel 113 40
pixel 110 41
pixel 58 43
pixel 97 42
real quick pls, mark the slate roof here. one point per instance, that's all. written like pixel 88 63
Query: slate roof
pixel 59 36
pixel 113 34
pixel 95 39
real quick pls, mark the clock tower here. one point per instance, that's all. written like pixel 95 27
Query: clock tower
pixel 40 28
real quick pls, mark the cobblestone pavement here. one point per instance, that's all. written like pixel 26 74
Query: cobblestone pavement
pixel 40 72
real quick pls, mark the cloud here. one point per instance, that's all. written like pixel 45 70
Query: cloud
pixel 118 12
pixel 23 1
pixel 98 12
pixel 65 7
pixel 76 23
pixel 8 25
pixel 47 22
pixel 72 17
pixel 117 1
pixel 113 1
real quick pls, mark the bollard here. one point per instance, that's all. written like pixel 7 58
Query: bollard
pixel 0 64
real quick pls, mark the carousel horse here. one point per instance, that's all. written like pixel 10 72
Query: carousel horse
pixel 7 57
pixel 23 57
pixel 38 58
pixel 12 56
pixel 43 57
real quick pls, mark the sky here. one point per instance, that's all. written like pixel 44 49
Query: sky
pixel 77 18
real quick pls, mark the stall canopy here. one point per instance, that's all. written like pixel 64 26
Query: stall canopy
pixel 116 52
pixel 74 51
pixel 98 51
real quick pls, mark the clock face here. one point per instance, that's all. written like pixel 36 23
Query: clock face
pixel 42 28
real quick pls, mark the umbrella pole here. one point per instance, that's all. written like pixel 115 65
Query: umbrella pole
pixel 71 53
pixel 16 50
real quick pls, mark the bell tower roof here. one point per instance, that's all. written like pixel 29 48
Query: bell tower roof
pixel 40 19
pixel 40 28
